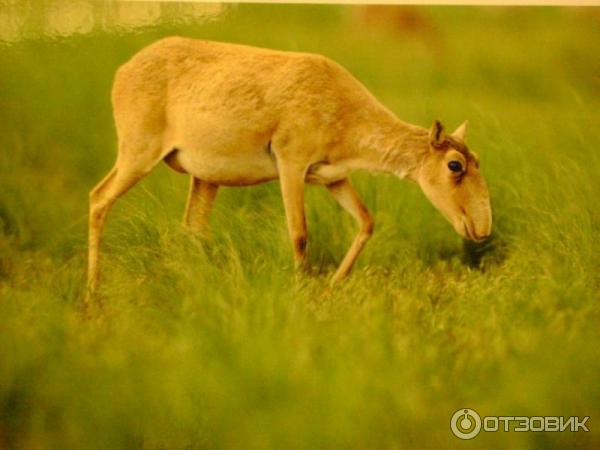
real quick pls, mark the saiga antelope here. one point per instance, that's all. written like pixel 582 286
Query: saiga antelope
pixel 234 115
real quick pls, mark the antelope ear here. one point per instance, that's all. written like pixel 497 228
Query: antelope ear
pixel 461 131
pixel 437 135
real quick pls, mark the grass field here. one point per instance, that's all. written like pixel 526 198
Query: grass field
pixel 212 345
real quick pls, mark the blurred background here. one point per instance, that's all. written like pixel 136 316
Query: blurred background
pixel 212 344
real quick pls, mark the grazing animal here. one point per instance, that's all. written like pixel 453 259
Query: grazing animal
pixel 233 115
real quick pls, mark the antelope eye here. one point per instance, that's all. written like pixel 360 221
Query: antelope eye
pixel 455 166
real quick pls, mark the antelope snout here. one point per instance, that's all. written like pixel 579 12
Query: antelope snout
pixel 477 226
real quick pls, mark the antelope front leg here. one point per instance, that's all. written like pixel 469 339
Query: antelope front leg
pixel 200 200
pixel 292 190
pixel 345 194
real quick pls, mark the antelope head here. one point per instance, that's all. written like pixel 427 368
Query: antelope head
pixel 450 178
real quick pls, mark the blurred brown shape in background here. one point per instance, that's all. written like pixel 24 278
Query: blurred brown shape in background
pixel 404 21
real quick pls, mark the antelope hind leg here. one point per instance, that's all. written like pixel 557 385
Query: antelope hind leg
pixel 120 179
pixel 201 198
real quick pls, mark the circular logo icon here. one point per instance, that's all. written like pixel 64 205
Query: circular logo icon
pixel 465 423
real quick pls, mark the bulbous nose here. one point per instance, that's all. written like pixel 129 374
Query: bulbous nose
pixel 482 223
pixel 478 238
pixel 476 222
pixel 470 233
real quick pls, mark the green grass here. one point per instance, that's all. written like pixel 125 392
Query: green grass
pixel 214 345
